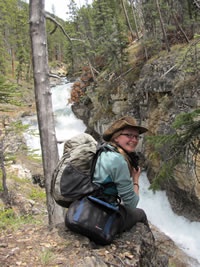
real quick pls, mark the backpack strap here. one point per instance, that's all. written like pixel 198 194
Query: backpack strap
pixel 103 147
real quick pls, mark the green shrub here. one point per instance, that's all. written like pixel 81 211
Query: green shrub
pixel 47 257
pixel 37 193
pixel 9 220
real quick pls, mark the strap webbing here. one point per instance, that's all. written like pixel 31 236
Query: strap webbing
pixel 100 148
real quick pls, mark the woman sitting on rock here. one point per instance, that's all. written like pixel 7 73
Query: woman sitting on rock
pixel 119 171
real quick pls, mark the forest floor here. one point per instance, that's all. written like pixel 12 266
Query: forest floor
pixel 34 245
pixel 28 241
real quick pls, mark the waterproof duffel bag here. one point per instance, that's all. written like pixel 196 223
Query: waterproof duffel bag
pixel 98 220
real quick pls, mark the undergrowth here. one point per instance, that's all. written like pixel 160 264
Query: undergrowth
pixel 9 220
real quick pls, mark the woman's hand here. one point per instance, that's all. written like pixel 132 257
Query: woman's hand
pixel 135 176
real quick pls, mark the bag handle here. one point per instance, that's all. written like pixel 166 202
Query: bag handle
pixel 103 203
pixel 111 207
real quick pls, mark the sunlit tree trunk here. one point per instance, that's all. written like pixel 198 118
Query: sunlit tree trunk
pixel 44 103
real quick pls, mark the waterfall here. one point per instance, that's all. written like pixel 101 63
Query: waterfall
pixel 66 123
pixel 184 233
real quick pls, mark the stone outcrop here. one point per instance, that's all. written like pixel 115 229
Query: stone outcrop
pixel 169 88
pixel 135 248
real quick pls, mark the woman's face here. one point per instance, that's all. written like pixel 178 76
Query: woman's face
pixel 128 139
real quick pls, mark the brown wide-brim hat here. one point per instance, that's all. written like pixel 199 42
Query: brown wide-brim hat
pixel 121 124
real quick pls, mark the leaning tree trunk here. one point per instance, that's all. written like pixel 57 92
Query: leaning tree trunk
pixel 44 103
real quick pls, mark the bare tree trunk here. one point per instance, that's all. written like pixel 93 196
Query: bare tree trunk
pixel 13 62
pixel 127 20
pixel 180 28
pixel 135 20
pixel 162 26
pixel 3 170
pixel 44 104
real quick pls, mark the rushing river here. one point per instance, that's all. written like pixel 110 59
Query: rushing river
pixel 184 233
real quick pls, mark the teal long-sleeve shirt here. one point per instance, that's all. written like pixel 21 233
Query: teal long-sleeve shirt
pixel 112 167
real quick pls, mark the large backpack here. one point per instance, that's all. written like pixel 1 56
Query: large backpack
pixel 72 177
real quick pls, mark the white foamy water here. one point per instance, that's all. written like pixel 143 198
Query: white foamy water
pixel 184 233
pixel 66 123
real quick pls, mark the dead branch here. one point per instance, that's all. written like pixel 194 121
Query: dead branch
pixel 123 74
pixel 168 70
pixel 180 28
pixel 54 76
pixel 62 29
pixel 54 30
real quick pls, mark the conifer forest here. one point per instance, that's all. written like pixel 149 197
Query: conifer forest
pixel 96 34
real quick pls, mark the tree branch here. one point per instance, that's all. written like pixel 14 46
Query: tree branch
pixel 62 29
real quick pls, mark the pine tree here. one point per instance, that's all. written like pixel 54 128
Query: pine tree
pixel 8 92
pixel 181 147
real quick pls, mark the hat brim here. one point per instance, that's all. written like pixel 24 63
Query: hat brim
pixel 107 136
pixel 120 124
